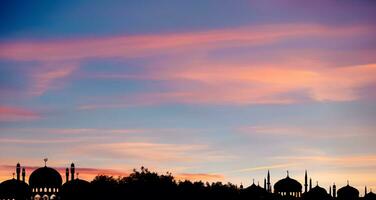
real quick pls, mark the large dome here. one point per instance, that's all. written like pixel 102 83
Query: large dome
pixel 347 191
pixel 45 177
pixel 287 185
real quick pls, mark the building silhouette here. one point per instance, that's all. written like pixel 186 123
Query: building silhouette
pixel 46 183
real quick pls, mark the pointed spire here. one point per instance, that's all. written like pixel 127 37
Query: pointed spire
pixel 310 183
pixel 66 175
pixel 23 174
pixel 265 184
pixel 18 171
pixel 306 181
pixel 268 182
pixel 287 173
pixel 73 171
pixel 45 162
pixel 365 190
pixel 348 182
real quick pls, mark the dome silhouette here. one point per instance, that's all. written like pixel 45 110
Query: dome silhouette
pixel 287 185
pixel 370 196
pixel 317 193
pixel 76 189
pixel 255 189
pixel 45 177
pixel 347 192
pixel 14 189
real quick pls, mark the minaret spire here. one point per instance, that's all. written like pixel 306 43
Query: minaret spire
pixel 268 183
pixel 23 174
pixel 18 171
pixel 66 175
pixel 310 183
pixel 334 190
pixel 330 190
pixel 305 181
pixel 73 171
pixel 265 184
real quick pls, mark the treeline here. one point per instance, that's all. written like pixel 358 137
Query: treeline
pixel 145 184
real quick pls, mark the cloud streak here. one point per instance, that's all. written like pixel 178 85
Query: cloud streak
pixel 144 45
pixel 250 84
pixel 10 113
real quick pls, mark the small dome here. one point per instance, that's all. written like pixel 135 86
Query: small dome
pixel 370 196
pixel 347 191
pixel 76 183
pixel 14 189
pixel 287 185
pixel 45 177
pixel 76 189
pixel 317 193
pixel 255 189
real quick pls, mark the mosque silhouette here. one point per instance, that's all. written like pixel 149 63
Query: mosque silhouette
pixel 46 183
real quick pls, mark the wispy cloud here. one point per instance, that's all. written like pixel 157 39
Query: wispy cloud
pixel 250 84
pixel 135 46
pixel 146 151
pixel 48 76
pixel 11 113
pixel 266 167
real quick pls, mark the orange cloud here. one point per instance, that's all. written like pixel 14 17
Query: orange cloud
pixel 9 113
pixel 146 151
pixel 143 45
pixel 199 177
pixel 208 83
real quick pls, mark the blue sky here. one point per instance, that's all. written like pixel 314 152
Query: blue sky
pixel 211 90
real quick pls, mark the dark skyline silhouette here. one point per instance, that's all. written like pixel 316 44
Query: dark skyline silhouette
pixel 46 183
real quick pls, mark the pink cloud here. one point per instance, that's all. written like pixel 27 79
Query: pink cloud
pixel 48 76
pixel 146 151
pixel 9 113
pixel 286 83
pixel 144 45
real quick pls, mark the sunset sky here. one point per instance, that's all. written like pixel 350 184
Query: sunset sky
pixel 215 90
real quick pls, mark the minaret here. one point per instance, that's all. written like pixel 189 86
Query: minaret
pixel 66 175
pixel 72 170
pixel 305 182
pixel 334 190
pixel 265 184
pixel 18 171
pixel 310 183
pixel 268 183
pixel 23 174
pixel 330 190
pixel 365 190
